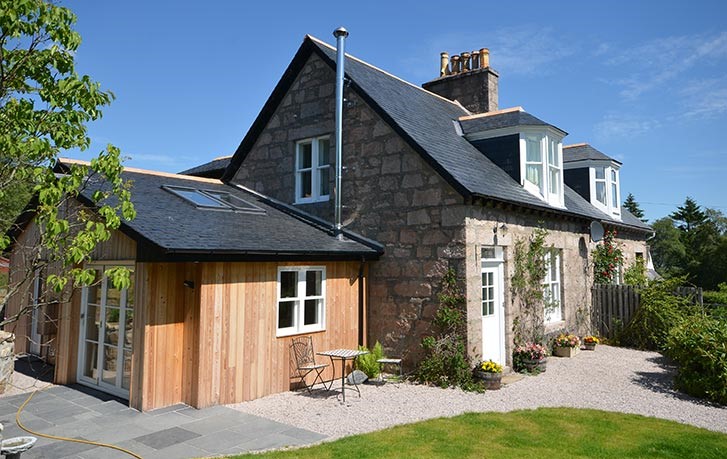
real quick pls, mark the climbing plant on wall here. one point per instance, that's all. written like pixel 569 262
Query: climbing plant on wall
pixel 607 260
pixel 527 287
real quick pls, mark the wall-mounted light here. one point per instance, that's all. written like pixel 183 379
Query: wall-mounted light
pixel 189 284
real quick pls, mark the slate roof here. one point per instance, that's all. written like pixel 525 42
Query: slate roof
pixel 212 169
pixel 584 152
pixel 505 119
pixel 169 228
pixel 427 122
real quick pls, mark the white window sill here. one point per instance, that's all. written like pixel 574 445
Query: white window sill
pixel 289 332
pixel 311 200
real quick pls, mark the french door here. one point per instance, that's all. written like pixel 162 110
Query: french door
pixel 107 323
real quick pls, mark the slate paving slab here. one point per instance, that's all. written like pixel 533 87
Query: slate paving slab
pixel 177 431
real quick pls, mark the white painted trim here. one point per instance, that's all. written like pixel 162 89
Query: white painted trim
pixel 314 171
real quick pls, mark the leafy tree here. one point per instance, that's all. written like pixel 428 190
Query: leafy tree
pixel 632 206
pixel 44 107
pixel 667 249
pixel 690 215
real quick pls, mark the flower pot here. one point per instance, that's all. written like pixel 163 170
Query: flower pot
pixel 493 381
pixel 565 351
pixel 590 346
pixel 534 364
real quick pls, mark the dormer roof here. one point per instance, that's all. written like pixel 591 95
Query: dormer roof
pixel 501 119
pixel 584 152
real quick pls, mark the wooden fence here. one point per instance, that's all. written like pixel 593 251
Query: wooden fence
pixel 615 305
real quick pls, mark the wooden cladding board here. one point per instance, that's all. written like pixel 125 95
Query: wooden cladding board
pixel 225 350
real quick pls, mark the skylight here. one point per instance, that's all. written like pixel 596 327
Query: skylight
pixel 211 199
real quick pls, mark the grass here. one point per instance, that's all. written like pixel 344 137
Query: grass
pixel 541 433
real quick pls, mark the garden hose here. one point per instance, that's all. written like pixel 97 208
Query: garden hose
pixel 75 440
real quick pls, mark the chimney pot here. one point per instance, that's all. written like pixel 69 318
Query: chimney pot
pixel 456 64
pixel 484 58
pixel 465 62
pixel 444 64
pixel 475 60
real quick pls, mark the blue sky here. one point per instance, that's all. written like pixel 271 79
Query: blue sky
pixel 644 82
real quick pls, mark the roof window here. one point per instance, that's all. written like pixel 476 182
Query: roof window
pixel 212 199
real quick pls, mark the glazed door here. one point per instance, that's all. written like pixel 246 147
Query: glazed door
pixel 493 338
pixel 107 319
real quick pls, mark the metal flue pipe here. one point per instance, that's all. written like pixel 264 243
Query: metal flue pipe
pixel 340 34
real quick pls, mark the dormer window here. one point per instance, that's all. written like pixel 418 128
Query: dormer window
pixel 605 190
pixel 541 154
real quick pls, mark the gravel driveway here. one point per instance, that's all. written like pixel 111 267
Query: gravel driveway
pixel 611 379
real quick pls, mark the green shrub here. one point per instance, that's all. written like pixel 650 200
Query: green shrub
pixel 446 362
pixel 660 309
pixel 699 347
pixel 636 273
pixel 718 297
pixel 368 362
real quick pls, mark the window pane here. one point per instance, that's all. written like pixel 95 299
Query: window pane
pixel 90 368
pixel 488 253
pixel 614 195
pixel 110 360
pixel 613 176
pixel 313 280
pixel 554 180
pixel 324 148
pixel 601 192
pixel 533 174
pixel 305 184
pixel 533 153
pixel 126 379
pixel 286 314
pixel 233 201
pixel 310 314
pixel 113 295
pixel 305 154
pixel 196 197
pixel 93 322
pixel 129 329
pixel 325 183
pixel 601 173
pixel 94 290
pixel 288 284
pixel 112 326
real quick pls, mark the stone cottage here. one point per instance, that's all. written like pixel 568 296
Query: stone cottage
pixel 442 178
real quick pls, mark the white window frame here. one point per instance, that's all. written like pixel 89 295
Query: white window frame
pixel 299 300
pixel 548 141
pixel 314 169
pixel 551 285
pixel 611 179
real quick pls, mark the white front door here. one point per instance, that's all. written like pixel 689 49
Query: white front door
pixel 493 336
pixel 107 318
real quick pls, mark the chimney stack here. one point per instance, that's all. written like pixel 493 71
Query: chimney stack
pixel 468 79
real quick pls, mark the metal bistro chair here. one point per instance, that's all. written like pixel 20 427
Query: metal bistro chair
pixel 305 362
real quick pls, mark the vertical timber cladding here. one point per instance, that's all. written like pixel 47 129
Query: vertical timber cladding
pixel 216 343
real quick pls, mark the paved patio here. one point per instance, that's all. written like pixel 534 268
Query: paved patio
pixel 174 432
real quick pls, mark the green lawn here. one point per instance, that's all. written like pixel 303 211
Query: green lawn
pixel 542 433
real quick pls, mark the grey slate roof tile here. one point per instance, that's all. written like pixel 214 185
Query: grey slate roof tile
pixel 501 120
pixel 211 169
pixel 175 225
pixel 584 151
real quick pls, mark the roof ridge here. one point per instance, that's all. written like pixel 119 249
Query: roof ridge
pixel 517 108
pixel 582 144
pixel 146 171
pixel 321 42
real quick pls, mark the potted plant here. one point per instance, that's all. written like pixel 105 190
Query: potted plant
pixel 530 357
pixel 590 342
pixel 490 373
pixel 566 345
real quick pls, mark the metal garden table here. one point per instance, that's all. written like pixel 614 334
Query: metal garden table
pixel 343 355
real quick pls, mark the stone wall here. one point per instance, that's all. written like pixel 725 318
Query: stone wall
pixel 7 359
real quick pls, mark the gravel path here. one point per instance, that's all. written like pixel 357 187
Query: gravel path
pixel 611 379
